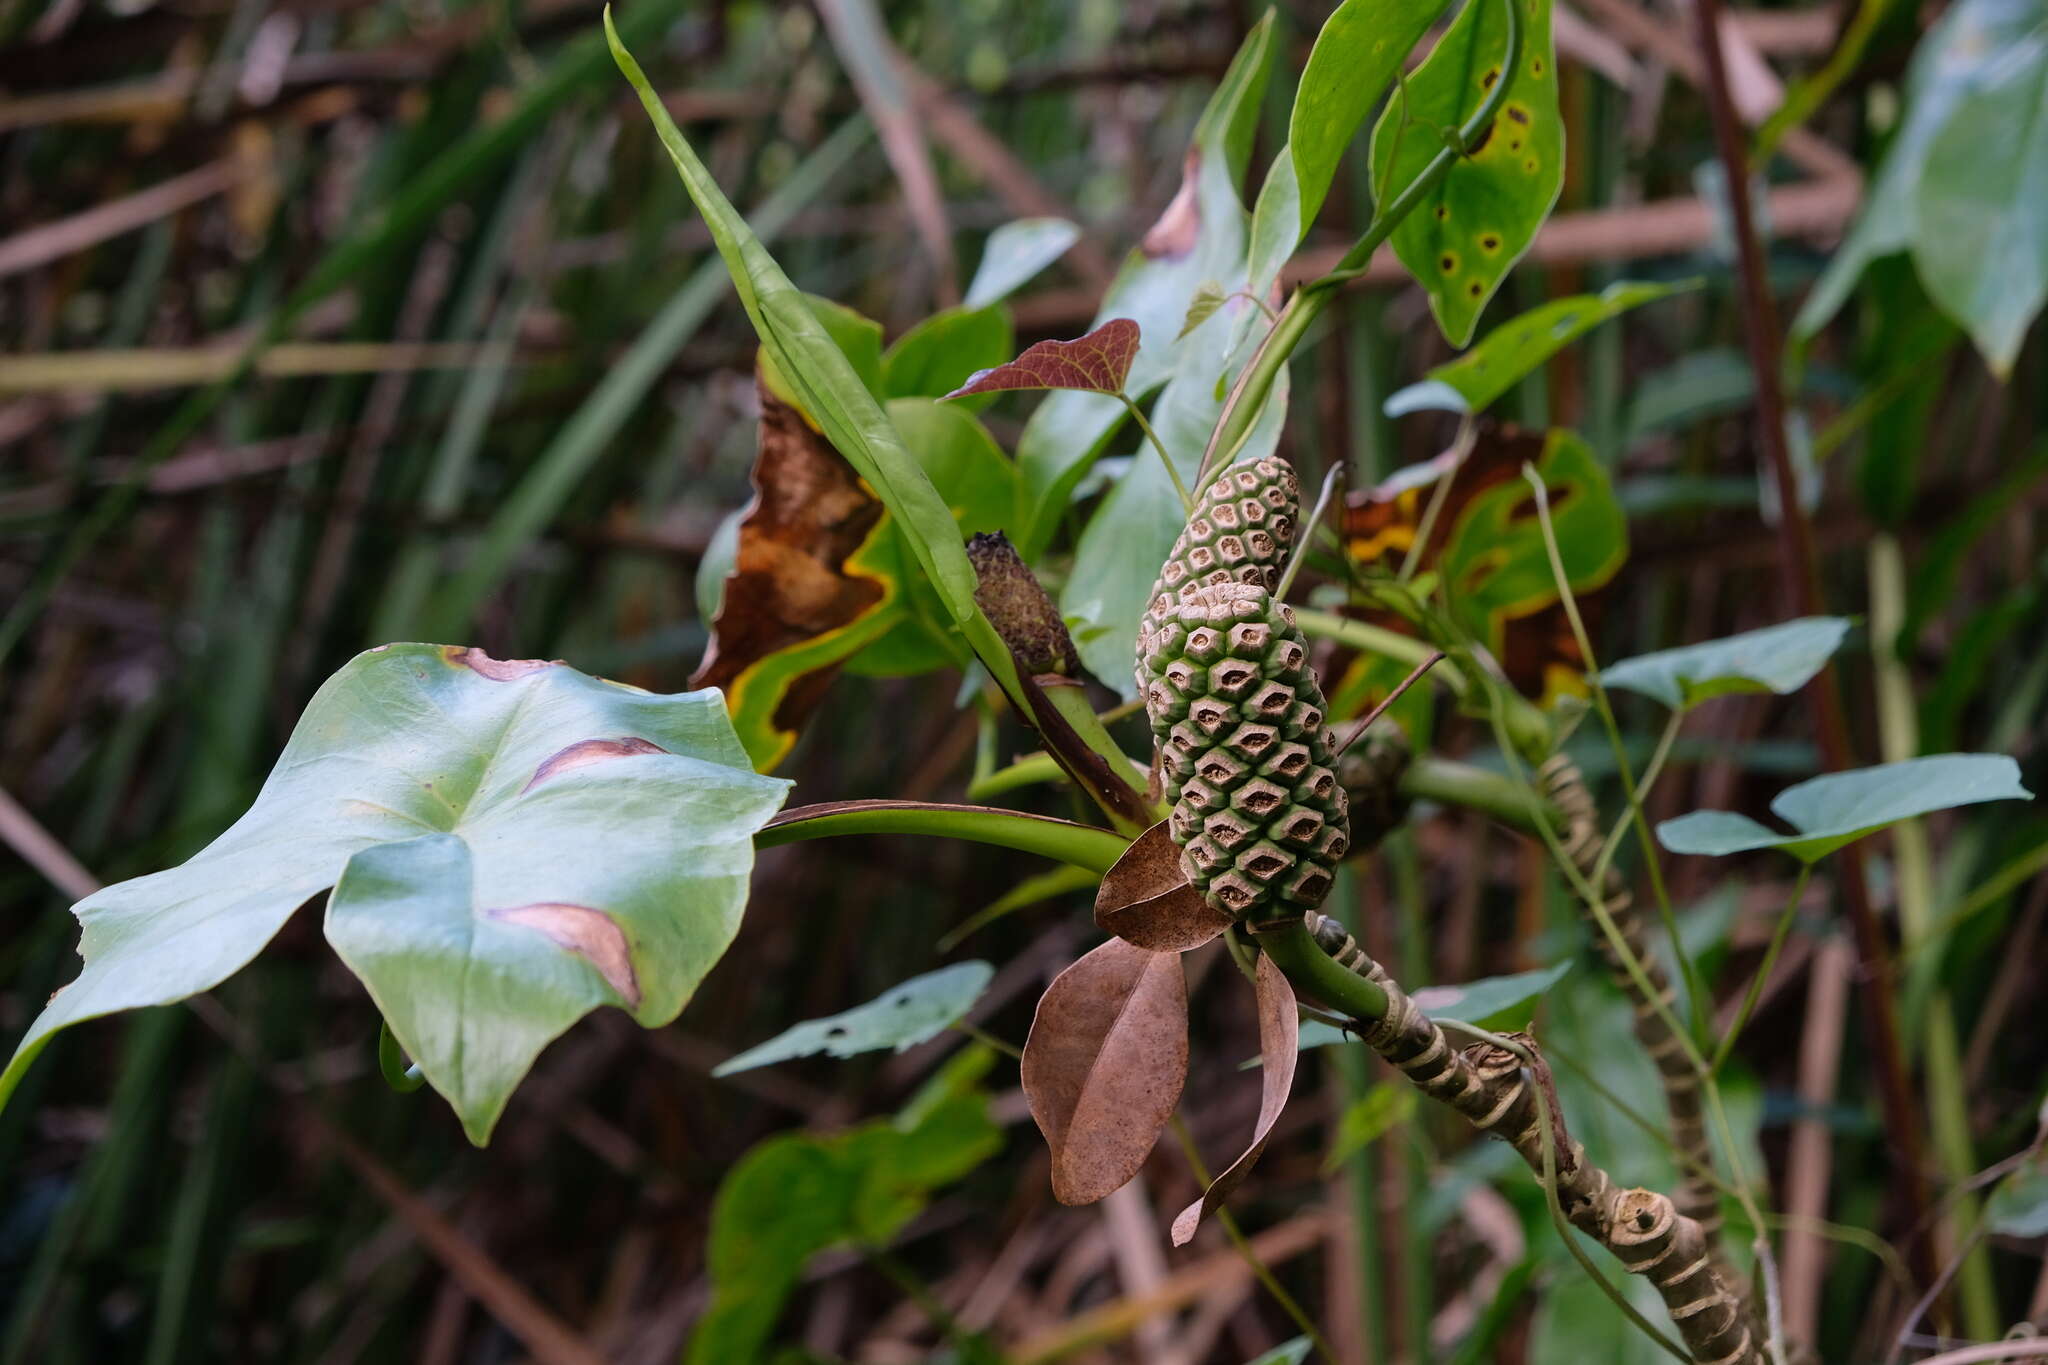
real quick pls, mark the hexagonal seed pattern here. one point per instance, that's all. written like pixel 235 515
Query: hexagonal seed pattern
pixel 1248 761
pixel 1241 531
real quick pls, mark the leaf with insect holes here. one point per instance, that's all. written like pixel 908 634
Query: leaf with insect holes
pixel 1280 1047
pixel 1095 363
pixel 1464 236
pixel 1781 659
pixel 1513 350
pixel 1147 900
pixel 1840 808
pixel 1104 1064
pixel 908 1013
pixel 510 843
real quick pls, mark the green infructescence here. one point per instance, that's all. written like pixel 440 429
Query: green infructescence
pixel 1246 759
pixel 1241 531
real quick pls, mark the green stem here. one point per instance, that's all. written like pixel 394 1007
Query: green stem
pixel 1187 503
pixel 1255 382
pixel 1450 783
pixel 1296 953
pixel 1063 840
pixel 1362 635
pixel 1763 971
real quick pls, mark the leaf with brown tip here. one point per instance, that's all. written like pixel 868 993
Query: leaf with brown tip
pixel 1104 1065
pixel 1147 900
pixel 1095 363
pixel 1279 1047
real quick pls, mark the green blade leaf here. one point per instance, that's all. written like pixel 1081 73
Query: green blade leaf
pixel 908 1013
pixel 512 843
pixel 1781 659
pixel 1014 253
pixel 1840 808
pixel 1463 238
pixel 1514 349
pixel 803 352
pixel 936 356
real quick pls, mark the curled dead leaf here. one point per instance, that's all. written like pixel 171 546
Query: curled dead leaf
pixel 1279 1049
pixel 590 934
pixel 1104 1064
pixel 1147 900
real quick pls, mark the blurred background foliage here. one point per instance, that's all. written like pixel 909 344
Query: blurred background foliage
pixel 509 402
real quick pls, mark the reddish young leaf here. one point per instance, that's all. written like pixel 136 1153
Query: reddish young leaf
pixel 1095 363
pixel 1279 1046
pixel 1104 1064
pixel 1147 900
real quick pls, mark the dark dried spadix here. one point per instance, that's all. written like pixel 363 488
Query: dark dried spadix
pixel 1010 596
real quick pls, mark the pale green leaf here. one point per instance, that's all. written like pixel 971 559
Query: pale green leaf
pixel 1207 300
pixel 1517 348
pixel 2019 1206
pixel 1839 808
pixel 1014 253
pixel 908 1013
pixel 1781 659
pixel 511 844
pixel 1462 239
pixel 1286 1353
pixel 1198 239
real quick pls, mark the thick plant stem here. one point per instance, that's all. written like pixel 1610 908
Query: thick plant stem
pixel 1494 1090
pixel 1802 581
pixel 1696 1198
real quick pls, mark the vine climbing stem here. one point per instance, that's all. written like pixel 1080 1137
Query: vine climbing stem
pixel 1802 586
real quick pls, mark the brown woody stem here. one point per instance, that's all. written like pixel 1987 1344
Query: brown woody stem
pixel 1498 1094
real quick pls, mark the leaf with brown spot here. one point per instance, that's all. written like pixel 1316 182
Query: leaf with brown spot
pixel 1095 363
pixel 590 934
pixel 484 911
pixel 1279 1048
pixel 1104 1065
pixel 497 670
pixel 1147 900
pixel 587 751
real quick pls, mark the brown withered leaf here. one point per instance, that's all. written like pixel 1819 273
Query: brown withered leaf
pixel 1104 1064
pixel 1279 1048
pixel 791 581
pixel 1147 900
pixel 1095 363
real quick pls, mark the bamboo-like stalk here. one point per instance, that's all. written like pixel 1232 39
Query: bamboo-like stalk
pixel 1581 837
pixel 1497 1092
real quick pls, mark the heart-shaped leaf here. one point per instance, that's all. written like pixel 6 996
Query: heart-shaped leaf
pixel 511 844
pixel 1515 348
pixel 1147 900
pixel 1781 658
pixel 1095 363
pixel 1279 1048
pixel 908 1013
pixel 1104 1064
pixel 1840 808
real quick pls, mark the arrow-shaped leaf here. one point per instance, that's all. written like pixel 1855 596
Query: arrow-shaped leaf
pixel 1098 362
pixel 1781 658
